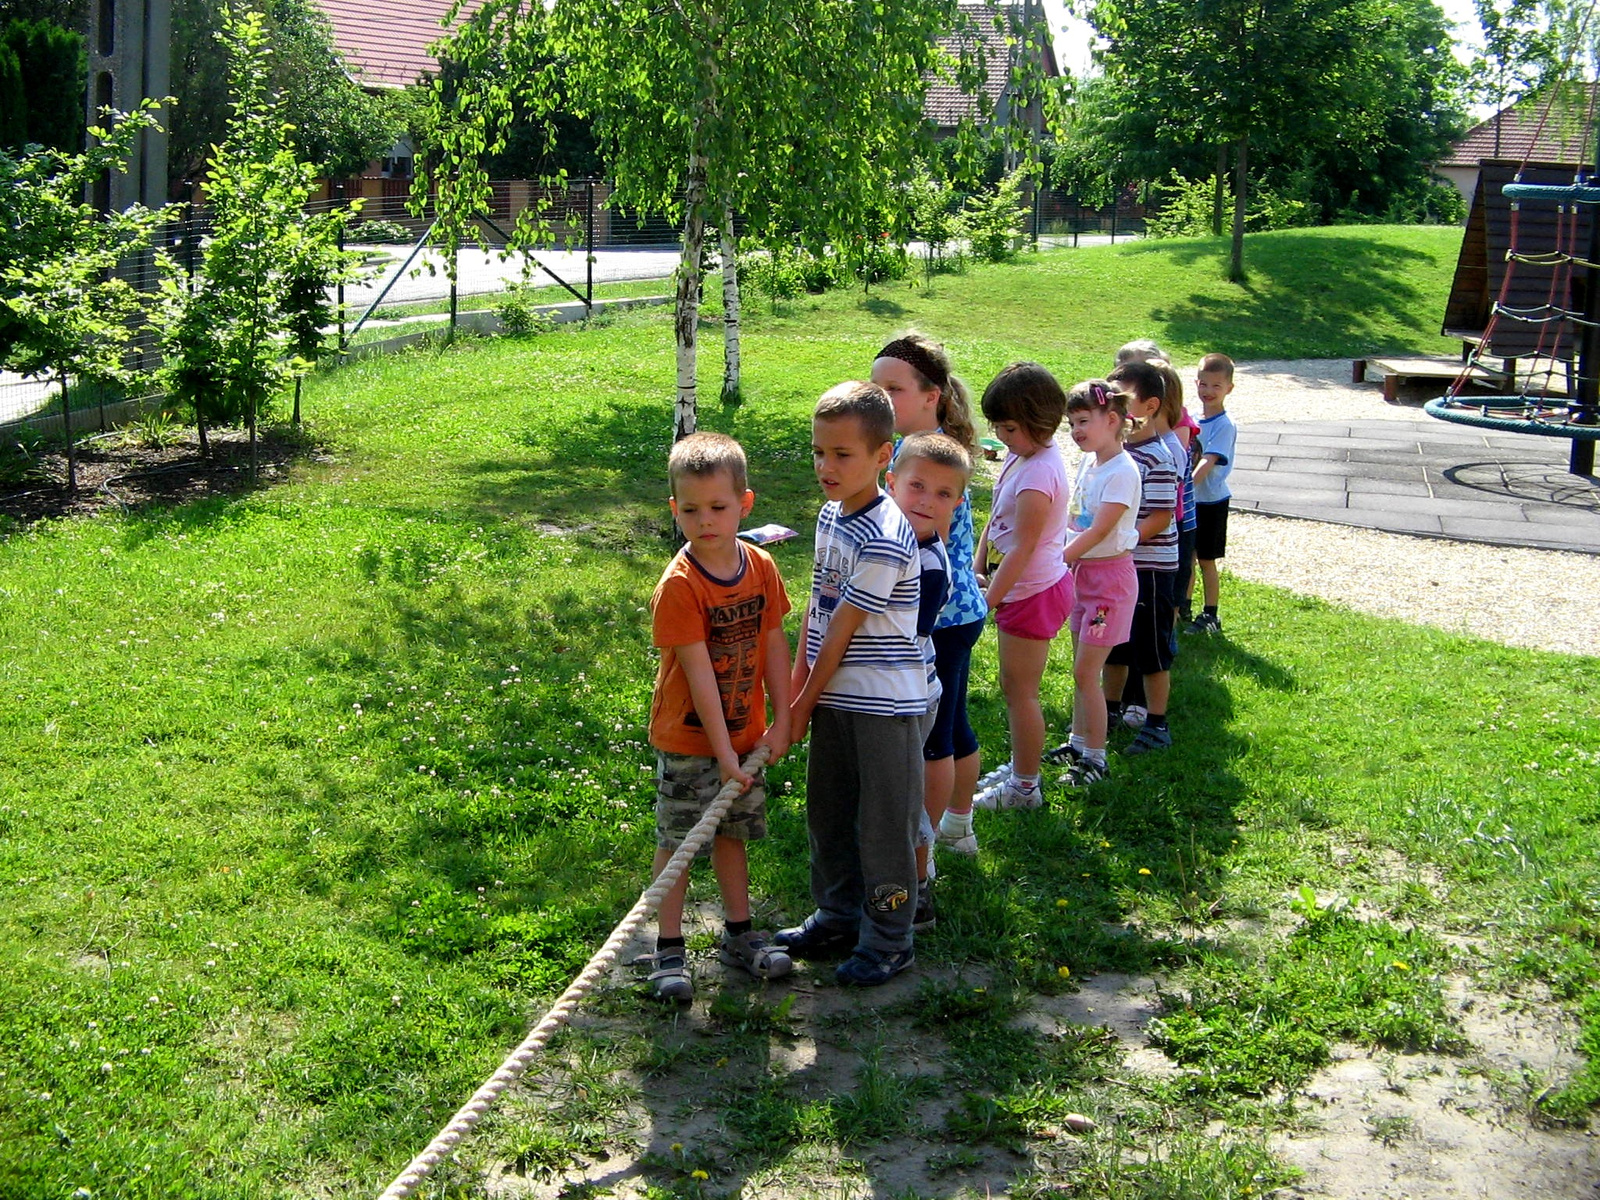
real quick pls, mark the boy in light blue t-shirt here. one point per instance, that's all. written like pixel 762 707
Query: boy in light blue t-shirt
pixel 1213 382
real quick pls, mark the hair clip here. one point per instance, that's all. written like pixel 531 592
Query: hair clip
pixel 1098 392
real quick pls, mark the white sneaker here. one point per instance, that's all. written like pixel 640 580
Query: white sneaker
pixel 967 844
pixel 986 797
pixel 1015 795
pixel 1133 716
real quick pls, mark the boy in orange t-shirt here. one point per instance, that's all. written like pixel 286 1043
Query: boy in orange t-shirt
pixel 717 617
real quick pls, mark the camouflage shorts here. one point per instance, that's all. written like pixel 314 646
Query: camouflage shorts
pixel 686 784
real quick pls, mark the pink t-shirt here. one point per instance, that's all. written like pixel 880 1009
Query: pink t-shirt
pixel 1042 471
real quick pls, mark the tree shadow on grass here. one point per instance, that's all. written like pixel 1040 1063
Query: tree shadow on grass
pixel 602 475
pixel 1289 308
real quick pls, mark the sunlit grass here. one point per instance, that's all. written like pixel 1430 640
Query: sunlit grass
pixel 313 795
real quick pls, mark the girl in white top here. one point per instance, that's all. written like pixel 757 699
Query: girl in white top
pixel 1102 514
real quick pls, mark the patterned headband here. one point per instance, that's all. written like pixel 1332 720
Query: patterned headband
pixel 926 365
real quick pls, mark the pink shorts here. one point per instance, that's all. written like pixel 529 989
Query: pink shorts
pixel 1041 616
pixel 1107 590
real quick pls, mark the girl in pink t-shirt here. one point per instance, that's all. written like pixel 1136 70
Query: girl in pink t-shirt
pixel 1025 581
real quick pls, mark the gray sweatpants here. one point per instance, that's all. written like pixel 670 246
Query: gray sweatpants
pixel 863 799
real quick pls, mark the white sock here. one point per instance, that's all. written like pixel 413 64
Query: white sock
pixel 1078 742
pixel 954 824
pixel 1097 757
pixel 1025 782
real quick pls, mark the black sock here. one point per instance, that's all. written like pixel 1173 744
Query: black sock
pixel 1156 721
pixel 735 928
pixel 663 944
pixel 1210 610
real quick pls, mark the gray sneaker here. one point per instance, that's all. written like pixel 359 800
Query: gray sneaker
pixel 753 951
pixel 1205 623
pixel 668 975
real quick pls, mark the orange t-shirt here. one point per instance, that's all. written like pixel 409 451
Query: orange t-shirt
pixel 732 617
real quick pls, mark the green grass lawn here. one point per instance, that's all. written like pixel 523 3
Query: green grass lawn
pixel 313 796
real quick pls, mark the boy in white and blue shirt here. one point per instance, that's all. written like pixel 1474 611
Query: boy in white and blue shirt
pixel 1213 382
pixel 863 684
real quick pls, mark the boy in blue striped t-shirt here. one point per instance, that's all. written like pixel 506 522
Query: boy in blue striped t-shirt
pixel 862 683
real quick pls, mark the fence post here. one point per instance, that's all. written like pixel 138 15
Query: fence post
pixel 588 287
pixel 338 194
pixel 191 232
pixel 1038 190
pixel 1114 205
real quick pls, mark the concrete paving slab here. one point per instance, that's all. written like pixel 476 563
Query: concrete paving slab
pixel 1436 506
pixel 1307 466
pixel 1357 484
pixel 1419 475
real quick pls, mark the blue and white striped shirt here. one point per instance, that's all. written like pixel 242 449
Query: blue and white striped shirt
pixel 870 559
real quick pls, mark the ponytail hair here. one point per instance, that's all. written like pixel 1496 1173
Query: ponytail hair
pixel 932 364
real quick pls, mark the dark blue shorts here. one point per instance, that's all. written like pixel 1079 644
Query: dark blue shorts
pixel 952 734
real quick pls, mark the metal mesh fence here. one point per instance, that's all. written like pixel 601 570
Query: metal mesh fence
pixel 590 243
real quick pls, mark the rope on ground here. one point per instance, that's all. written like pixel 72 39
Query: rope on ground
pixel 563 1009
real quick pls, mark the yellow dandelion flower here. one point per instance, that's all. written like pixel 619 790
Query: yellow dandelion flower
pixel 1144 870
pixel 1061 903
pixel 677 1147
pixel 1104 845
pixel 1064 972
pixel 698 1175
pixel 1399 966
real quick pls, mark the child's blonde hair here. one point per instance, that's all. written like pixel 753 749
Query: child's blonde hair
pixel 704 454
pixel 866 403
pixel 932 364
pixel 1219 363
pixel 1139 350
pixel 938 448
pixel 1171 394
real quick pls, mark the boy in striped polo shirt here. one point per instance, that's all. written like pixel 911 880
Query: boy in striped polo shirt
pixel 865 686
pixel 1148 649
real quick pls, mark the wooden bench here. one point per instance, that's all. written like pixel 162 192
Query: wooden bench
pixel 1398 371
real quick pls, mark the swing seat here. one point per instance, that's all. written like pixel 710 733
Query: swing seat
pixel 1514 414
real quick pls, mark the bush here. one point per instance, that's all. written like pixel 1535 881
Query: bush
pixel 1185 209
pixel 519 313
pixel 934 218
pixel 995 222
pixel 380 231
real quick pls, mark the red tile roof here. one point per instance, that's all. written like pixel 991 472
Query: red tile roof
pixel 1515 133
pixel 385 42
pixel 946 105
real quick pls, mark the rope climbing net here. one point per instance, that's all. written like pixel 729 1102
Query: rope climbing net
pixel 1552 389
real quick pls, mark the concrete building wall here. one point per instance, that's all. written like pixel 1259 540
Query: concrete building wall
pixel 130 58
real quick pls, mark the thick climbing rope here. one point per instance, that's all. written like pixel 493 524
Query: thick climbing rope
pixel 473 1111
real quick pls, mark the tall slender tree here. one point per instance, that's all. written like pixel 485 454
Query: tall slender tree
pixel 789 112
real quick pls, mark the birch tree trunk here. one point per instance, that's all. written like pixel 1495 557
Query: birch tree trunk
pixel 730 310
pixel 687 314
pixel 1241 185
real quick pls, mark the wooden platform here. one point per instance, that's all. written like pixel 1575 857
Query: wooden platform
pixel 1399 371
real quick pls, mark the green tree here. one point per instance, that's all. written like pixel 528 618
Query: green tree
pixel 226 335
pixel 793 113
pixel 55 64
pixel 63 306
pixel 338 126
pixel 1353 93
pixel 13 101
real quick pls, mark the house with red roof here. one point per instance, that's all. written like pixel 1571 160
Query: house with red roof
pixel 1543 127
pixel 946 105
pixel 384 43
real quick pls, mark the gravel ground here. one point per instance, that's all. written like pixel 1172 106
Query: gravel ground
pixel 1458 586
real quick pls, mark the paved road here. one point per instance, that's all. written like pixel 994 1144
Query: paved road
pixel 1419 476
